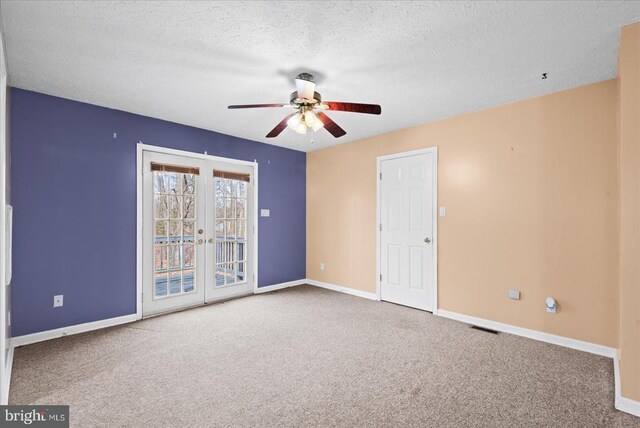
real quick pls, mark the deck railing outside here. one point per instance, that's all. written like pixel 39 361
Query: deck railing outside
pixel 185 282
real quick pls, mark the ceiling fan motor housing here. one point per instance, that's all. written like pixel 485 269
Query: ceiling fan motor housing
pixel 298 102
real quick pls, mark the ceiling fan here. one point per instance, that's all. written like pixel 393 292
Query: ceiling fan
pixel 309 110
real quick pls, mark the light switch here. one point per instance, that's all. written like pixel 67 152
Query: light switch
pixel 443 211
pixel 265 213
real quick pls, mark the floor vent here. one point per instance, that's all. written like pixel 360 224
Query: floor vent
pixel 488 330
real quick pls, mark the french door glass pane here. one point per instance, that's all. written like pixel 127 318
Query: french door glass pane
pixel 188 231
pixel 219 229
pixel 231 233
pixel 189 208
pixel 174 180
pixel 187 280
pixel 174 206
pixel 174 213
pixel 175 287
pixel 175 232
pixel 241 206
pixel 189 256
pixel 231 230
pixel 241 231
pixel 160 284
pixel 189 184
pixel 161 206
pixel 174 257
pixel 229 208
pixel 219 275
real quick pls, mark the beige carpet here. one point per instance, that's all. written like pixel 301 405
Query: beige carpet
pixel 310 357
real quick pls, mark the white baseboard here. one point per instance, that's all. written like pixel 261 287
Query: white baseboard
pixel 621 403
pixel 110 322
pixel 28 339
pixel 592 348
pixel 6 382
pixel 628 405
pixel 341 289
pixel 280 286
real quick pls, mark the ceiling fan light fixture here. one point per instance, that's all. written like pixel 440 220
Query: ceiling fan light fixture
pixel 294 121
pixel 310 118
pixel 302 128
pixel 317 125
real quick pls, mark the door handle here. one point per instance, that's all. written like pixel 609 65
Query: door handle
pixel 427 240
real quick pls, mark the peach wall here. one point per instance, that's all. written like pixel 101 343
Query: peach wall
pixel 531 196
pixel 629 151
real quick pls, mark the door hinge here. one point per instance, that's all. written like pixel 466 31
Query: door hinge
pixel 380 227
pixel 380 176
pixel 380 277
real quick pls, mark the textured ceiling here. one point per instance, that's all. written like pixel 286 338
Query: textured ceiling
pixel 422 61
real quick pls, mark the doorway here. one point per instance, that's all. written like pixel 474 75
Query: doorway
pixel 198 229
pixel 407 229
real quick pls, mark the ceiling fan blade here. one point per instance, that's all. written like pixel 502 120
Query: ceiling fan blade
pixel 330 125
pixel 256 105
pixel 354 107
pixel 279 127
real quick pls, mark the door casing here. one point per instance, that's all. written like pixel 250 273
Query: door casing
pixel 379 160
pixel 141 147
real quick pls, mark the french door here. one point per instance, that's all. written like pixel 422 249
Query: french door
pixel 198 224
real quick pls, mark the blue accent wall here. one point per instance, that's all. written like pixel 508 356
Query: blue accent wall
pixel 74 199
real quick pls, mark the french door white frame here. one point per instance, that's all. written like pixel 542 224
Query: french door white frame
pixel 141 147
pixel 380 159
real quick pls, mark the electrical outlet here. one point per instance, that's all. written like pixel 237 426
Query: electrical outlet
pixel 57 301
pixel 514 294
pixel 321 266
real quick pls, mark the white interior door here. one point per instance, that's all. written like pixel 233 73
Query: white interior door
pixel 198 231
pixel 407 235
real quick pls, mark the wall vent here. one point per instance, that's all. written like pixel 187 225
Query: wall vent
pixel 487 330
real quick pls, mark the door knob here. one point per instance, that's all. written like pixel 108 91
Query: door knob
pixel 200 231
pixel 427 240
pixel 210 241
pixel 200 241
